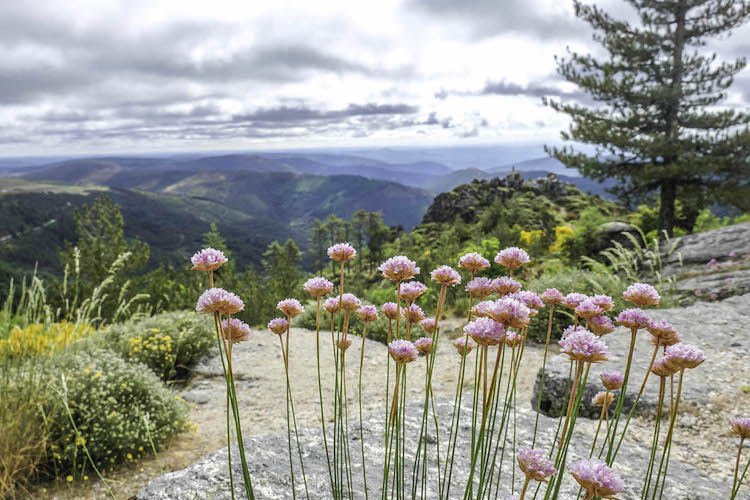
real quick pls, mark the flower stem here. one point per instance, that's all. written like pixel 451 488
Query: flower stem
pixel 544 364
pixel 737 465
pixel 621 400
pixel 668 441
pixel 525 485
pixel 599 425
pixel 361 431
pixel 573 391
pixel 320 392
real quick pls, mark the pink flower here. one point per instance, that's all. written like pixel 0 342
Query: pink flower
pixel 572 300
pixel 601 325
pixel 612 380
pixel 663 330
pixel 482 310
pixel 278 325
pixel 423 345
pixel 413 313
pixel 572 329
pixel 582 345
pixel 446 276
pixel 513 339
pixel 510 312
pixel 534 464
pixel 603 398
pixel 473 262
pixel 344 343
pixel 428 325
pixel 368 313
pixel 603 301
pixel 552 296
pixel 698 291
pixel 390 310
pixel 463 346
pixel 480 287
pixel 331 305
pixel 208 259
pixel 349 302
pixel 218 300
pixel 505 285
pixel 512 257
pixel 683 356
pixel 399 268
pixel 587 309
pixel 741 426
pixel 642 295
pixel 402 351
pixel 235 330
pixel 532 300
pixel 342 252
pixel 318 286
pixel 663 368
pixel 485 331
pixel 290 307
pixel 411 290
pixel 634 318
pixel 596 478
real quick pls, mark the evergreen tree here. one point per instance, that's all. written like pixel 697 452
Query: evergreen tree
pixel 656 124
pixel 281 264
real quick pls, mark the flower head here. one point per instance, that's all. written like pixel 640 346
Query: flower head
pixel 534 464
pixel 473 262
pixel 278 325
pixel 390 309
pixel 485 331
pixel 642 295
pixel 423 345
pixel 482 310
pixel 331 304
pixel 684 355
pixel 342 252
pixel 596 478
pixel 505 285
pixel 208 259
pixel 318 286
pixel 663 368
pixel 572 300
pixel 601 325
pixel 662 329
pixel 603 301
pixel 741 426
pixel 235 330
pixel 463 346
pixel 530 299
pixel 350 302
pixel 572 329
pixel 480 287
pixel 634 318
pixel 667 339
pixel 428 325
pixel 603 398
pixel 368 313
pixel 512 257
pixel 399 268
pixel 552 296
pixel 218 300
pixel 582 345
pixel 402 351
pixel 344 343
pixel 509 312
pixel 586 309
pixel 513 339
pixel 446 276
pixel 413 313
pixel 411 290
pixel 612 380
pixel 290 307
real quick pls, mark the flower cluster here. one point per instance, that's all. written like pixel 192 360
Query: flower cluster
pixel 331 305
pixel 368 313
pixel 318 286
pixel 603 398
pixel 235 330
pixel 446 276
pixel 582 345
pixel 349 302
pixel 552 296
pixel 512 257
pixel 290 307
pixel 534 464
pixel 218 300
pixel 586 309
pixel 634 319
pixel 473 262
pixel 390 309
pixel 681 356
pixel 411 290
pixel 505 285
pixel 480 287
pixel 572 300
pixel 601 325
pixel 509 312
pixel 208 259
pixel 596 478
pixel 741 426
pixel 342 252
pixel 413 313
pixel 402 351
pixel 428 325
pixel 423 345
pixel 278 325
pixel 612 380
pixel 642 295
pixel 464 346
pixel 486 331
pixel 399 268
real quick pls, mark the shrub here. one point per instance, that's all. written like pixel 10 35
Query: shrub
pixel 170 343
pixel 39 338
pixel 110 401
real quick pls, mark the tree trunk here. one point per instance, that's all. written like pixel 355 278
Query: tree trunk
pixel 666 212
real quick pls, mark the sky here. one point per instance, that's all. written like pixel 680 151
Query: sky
pixel 95 76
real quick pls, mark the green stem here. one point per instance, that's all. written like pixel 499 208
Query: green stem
pixel 361 421
pixel 320 391
pixel 621 400
pixel 541 383
pixel 668 441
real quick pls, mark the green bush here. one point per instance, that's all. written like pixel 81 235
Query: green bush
pixel 119 408
pixel 170 343
pixel 377 330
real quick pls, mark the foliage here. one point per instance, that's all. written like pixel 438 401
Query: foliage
pixel 376 330
pixel 39 338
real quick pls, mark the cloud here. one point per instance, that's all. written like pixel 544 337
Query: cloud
pixel 506 88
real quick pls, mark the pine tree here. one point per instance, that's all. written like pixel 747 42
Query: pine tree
pixel 657 122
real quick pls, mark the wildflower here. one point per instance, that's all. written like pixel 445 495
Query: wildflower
pixel 428 325
pixel 552 296
pixel 714 296
pixel 667 339
pixel 530 299
pixel 741 427
pixel 732 254
pixel 642 295
pixel 70 479
pixel 235 330
pixel 278 325
pixel 479 287
pixel 208 259
pixel 698 292
pixel 318 286
pixel 446 276
pixel 513 339
pixel 634 318
pixel 603 398
pixel 411 290
pixel 601 325
pixel 367 313
pixel 218 300
pixel 423 345
pixel 586 309
pixel 684 355
pixel 331 305
pixel 510 312
pixel 662 367
pixel 402 351
pixel 596 478
pixel 486 331
pixel 413 313
pixel 342 252
pixel 512 257
pixel 572 300
pixel 349 302
pixel 390 310
pixel 463 346
pixel 482 310
pixel 612 380
pixel 505 285
pixel 662 330
pixel 534 464
pixel 344 343
pixel 399 268
pixel 603 301
pixel 290 307
pixel 572 329
pixel 584 346
pixel 473 262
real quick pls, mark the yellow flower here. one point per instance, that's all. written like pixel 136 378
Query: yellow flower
pixel 70 479
pixel 140 448
pixel 130 457
pixel 87 370
pixel 85 478
pixel 124 385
